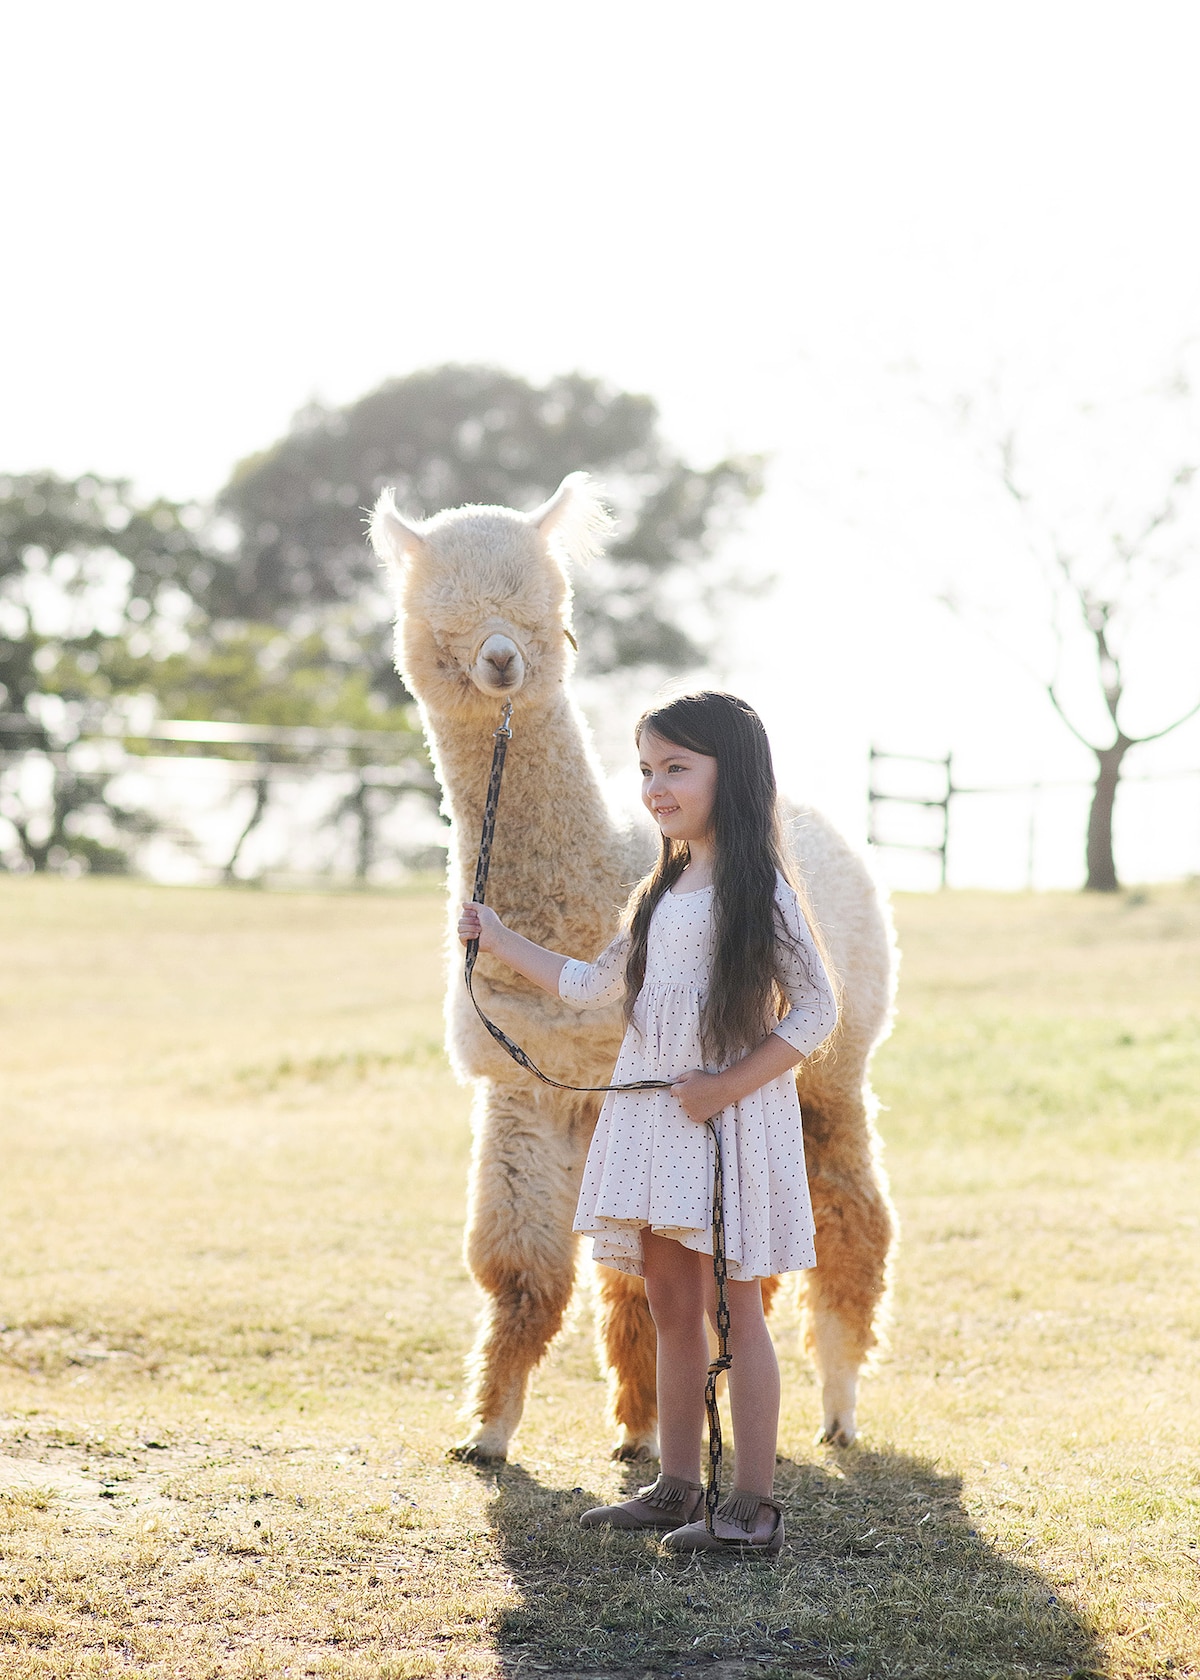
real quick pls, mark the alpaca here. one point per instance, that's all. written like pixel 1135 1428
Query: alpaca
pixel 484 617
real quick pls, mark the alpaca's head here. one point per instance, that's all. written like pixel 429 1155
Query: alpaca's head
pixel 484 597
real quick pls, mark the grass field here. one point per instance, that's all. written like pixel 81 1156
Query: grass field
pixel 234 1310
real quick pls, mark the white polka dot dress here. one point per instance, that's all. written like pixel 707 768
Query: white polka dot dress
pixel 649 1164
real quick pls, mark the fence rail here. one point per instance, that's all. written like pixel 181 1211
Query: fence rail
pixel 372 770
pixel 879 797
pixel 261 756
pixel 208 731
pixel 876 797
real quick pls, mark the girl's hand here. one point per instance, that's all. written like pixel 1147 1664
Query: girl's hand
pixel 702 1094
pixel 478 922
pixel 522 955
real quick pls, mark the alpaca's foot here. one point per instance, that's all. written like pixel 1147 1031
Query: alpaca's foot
pixel 486 1444
pixel 634 1448
pixel 839 1430
pixel 632 1452
pixel 470 1452
pixel 838 1359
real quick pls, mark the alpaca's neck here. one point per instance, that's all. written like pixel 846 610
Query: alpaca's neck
pixel 551 807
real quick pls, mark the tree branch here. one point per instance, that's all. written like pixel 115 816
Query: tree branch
pixel 1025 502
pixel 1008 476
pixel 951 604
pixel 1111 684
pixel 1129 552
pixel 1159 733
pixel 1057 704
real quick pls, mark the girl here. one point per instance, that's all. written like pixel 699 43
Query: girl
pixel 724 992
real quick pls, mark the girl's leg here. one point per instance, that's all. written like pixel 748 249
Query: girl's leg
pixel 747 1519
pixel 674 1278
pixel 753 1385
pixel 754 1402
pixel 675 1286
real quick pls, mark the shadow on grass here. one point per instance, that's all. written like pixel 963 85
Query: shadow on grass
pixel 882 1576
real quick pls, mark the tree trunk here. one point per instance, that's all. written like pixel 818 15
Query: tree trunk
pixel 366 832
pixel 1101 867
pixel 262 792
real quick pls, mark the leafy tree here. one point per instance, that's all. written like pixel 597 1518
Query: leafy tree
pixel 83 565
pixel 78 825
pixel 259 673
pixel 97 616
pixel 105 600
pixel 88 576
pixel 476 434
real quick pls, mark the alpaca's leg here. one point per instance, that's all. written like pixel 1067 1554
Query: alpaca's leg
pixel 844 1297
pixel 627 1343
pixel 521 1252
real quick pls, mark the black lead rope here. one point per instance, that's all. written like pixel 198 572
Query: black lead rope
pixel 724 1359
pixel 712 1493
pixel 502 737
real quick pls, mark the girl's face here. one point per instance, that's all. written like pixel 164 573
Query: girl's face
pixel 679 787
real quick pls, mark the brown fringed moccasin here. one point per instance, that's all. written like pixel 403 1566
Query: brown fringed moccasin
pixel 739 1511
pixel 664 1504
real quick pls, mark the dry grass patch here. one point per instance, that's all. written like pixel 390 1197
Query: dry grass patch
pixel 233 1312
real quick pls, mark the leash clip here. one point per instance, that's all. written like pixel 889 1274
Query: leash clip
pixel 505 728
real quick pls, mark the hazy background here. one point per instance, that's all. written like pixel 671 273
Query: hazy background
pixel 806 231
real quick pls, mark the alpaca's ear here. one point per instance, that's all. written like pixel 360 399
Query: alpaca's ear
pixel 548 515
pixel 393 536
pixel 575 518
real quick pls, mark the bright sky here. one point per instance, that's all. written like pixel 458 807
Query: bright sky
pixel 803 228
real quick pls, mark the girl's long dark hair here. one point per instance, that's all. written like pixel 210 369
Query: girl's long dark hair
pixel 744 992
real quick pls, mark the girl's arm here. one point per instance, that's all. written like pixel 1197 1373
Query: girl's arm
pixel 807 1024
pixel 533 961
pixel 586 985
pixel 706 1094
pixel 812 1014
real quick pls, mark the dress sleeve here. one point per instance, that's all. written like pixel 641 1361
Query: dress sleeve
pixel 591 985
pixel 813 1013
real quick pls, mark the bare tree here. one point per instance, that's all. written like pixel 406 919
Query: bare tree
pixel 1104 600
